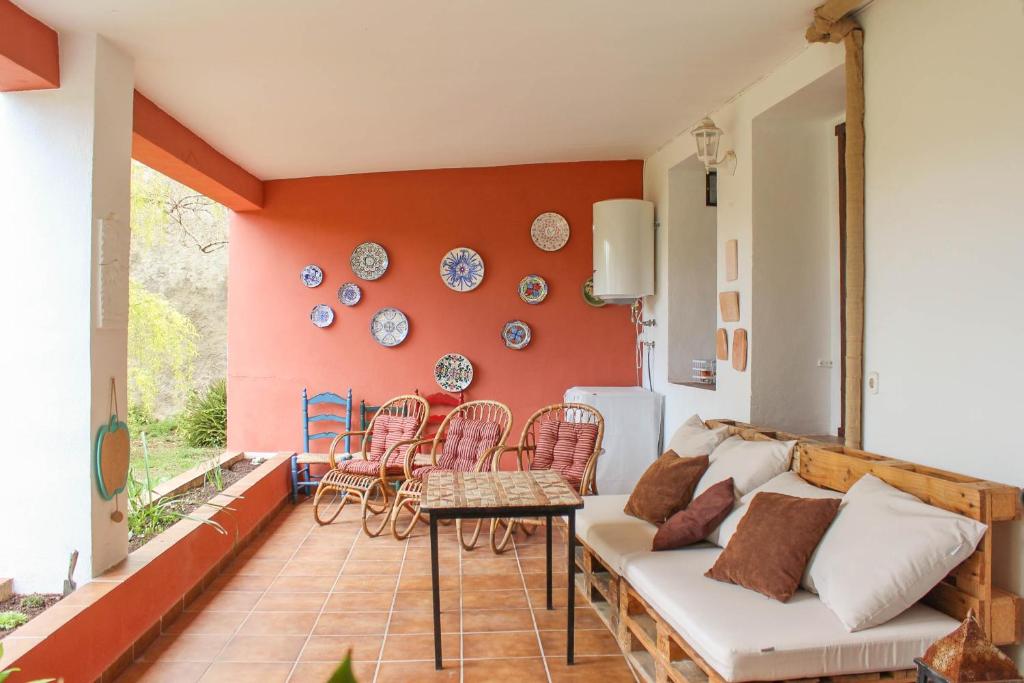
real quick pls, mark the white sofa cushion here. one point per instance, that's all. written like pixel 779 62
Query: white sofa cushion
pixel 885 550
pixel 749 463
pixel 694 438
pixel 788 483
pixel 610 532
pixel 746 636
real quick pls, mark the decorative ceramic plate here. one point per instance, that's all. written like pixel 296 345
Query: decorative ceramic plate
pixel 349 294
pixel 322 315
pixel 516 334
pixel 312 276
pixel 462 269
pixel 389 327
pixel 550 231
pixel 533 289
pixel 453 372
pixel 588 294
pixel 369 261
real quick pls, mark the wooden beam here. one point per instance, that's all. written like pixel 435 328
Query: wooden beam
pixel 162 143
pixel 29 54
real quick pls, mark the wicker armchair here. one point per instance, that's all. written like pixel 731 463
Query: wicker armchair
pixel 366 478
pixel 565 437
pixel 467 440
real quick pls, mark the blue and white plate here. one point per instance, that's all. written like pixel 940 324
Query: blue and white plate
pixel 389 327
pixel 312 276
pixel 349 294
pixel 462 269
pixel 516 335
pixel 322 315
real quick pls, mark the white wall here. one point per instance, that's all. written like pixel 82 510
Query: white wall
pixel 65 163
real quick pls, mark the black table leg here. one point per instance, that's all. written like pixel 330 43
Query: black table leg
pixel 435 585
pixel 571 578
pixel 547 530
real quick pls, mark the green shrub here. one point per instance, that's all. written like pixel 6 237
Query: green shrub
pixel 9 620
pixel 204 422
pixel 32 602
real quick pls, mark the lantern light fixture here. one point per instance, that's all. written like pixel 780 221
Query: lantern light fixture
pixel 707 136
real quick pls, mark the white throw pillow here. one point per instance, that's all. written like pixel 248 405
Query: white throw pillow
pixel 788 483
pixel 885 550
pixel 694 438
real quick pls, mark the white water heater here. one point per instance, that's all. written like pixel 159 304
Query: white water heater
pixel 623 250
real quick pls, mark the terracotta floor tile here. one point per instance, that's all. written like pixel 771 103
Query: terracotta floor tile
pixel 278 623
pixel 233 672
pixel 404 672
pixel 241 582
pixel 422 582
pixel 503 670
pixel 333 648
pixel 595 642
pixel 258 567
pixel 477 621
pixel 538 565
pixel 538 598
pixel 378 553
pixel 494 645
pixel 500 599
pixel 318 672
pixel 370 567
pixel 312 568
pixel 421 621
pixel 420 646
pixel 420 600
pixel 589 669
pixel 486 582
pixel 163 672
pixel 262 649
pixel 301 584
pixel 179 648
pixel 358 602
pixel 554 620
pixel 540 581
pixel 289 602
pixel 224 601
pixel 490 566
pixel 351 623
pixel 366 584
pixel 204 623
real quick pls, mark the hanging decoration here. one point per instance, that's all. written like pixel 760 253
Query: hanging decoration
pixel 533 289
pixel 389 327
pixel 588 294
pixel 322 315
pixel 453 372
pixel 369 261
pixel 516 334
pixel 312 275
pixel 349 294
pixel 550 231
pixel 462 269
pixel 112 455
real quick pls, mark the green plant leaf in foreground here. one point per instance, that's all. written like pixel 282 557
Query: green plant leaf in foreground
pixel 343 674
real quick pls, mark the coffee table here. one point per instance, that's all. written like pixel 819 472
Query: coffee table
pixel 486 495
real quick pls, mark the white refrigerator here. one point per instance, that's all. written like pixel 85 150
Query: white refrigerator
pixel 632 432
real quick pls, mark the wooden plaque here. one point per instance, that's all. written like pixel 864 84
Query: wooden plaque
pixel 739 350
pixel 721 344
pixel 732 266
pixel 729 302
pixel 112 452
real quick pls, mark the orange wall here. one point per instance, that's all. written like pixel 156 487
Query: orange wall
pixel 274 350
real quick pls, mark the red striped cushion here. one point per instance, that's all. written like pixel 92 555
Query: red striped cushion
pixel 387 431
pixel 565 447
pixel 369 468
pixel 465 441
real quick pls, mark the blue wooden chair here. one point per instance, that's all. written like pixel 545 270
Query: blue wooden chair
pixel 302 478
pixel 366 414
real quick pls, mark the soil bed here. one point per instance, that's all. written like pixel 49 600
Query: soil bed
pixel 13 604
pixel 189 500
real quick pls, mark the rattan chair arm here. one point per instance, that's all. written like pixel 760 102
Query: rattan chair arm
pixel 410 454
pixel 334 446
pixel 489 461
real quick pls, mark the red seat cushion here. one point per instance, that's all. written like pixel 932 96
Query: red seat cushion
pixel 564 447
pixel 387 431
pixel 422 472
pixel 369 467
pixel 465 441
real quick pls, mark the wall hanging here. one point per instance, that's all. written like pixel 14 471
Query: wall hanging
pixel 550 231
pixel 729 302
pixel 369 261
pixel 349 294
pixel 453 372
pixel 113 448
pixel 533 289
pixel 739 350
pixel 312 276
pixel 462 269
pixel 588 294
pixel 389 327
pixel 517 334
pixel 732 260
pixel 322 315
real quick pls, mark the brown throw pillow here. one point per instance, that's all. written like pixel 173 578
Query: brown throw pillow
pixel 699 519
pixel 666 487
pixel 773 543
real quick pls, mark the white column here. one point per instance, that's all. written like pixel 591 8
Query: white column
pixel 64 164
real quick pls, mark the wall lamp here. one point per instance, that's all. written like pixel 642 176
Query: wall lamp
pixel 708 135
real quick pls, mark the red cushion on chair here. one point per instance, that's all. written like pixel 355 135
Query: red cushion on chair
pixel 565 447
pixel 465 441
pixel 387 431
pixel 369 467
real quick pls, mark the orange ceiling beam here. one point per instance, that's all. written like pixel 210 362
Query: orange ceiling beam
pixel 164 144
pixel 29 53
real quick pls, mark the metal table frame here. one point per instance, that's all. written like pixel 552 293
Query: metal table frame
pixel 548 512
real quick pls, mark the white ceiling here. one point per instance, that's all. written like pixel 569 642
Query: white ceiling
pixel 291 88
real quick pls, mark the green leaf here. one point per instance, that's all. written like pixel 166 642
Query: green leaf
pixel 343 674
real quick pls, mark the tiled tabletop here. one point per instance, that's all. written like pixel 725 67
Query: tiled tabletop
pixel 464 490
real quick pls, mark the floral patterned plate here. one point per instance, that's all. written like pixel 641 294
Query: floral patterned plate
pixel 453 372
pixel 322 315
pixel 462 269
pixel 550 231
pixel 369 261
pixel 312 276
pixel 533 289
pixel 389 327
pixel 516 334
pixel 588 294
pixel 349 294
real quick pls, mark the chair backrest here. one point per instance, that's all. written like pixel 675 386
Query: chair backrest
pixel 399 419
pixel 328 399
pixel 444 402
pixel 366 413
pixel 565 437
pixel 478 426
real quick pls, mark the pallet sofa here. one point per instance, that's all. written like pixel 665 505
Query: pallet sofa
pixel 673 624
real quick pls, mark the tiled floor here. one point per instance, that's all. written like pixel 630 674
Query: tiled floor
pixel 297 599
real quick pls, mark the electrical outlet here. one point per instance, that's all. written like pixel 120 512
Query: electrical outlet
pixel 873 382
pixel 824 363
